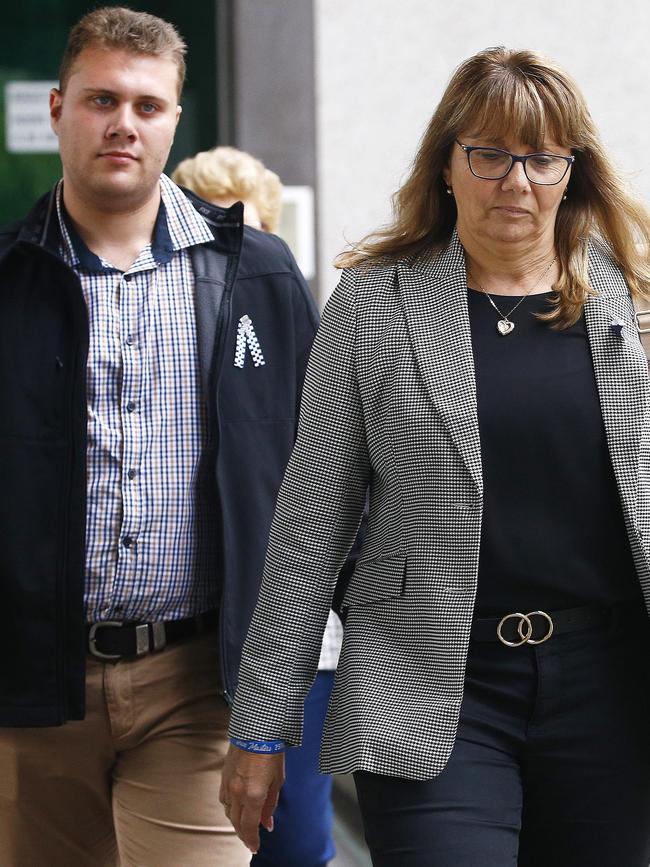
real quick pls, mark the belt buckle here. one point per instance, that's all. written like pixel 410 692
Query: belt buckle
pixel 525 628
pixel 142 642
pixel 159 635
pixel 92 639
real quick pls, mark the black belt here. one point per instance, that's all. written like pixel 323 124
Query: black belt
pixel 536 627
pixel 112 640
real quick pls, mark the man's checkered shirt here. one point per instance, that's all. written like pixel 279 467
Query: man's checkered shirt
pixel 151 531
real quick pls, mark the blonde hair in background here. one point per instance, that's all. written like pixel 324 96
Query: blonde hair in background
pixel 224 172
pixel 498 93
pixel 118 27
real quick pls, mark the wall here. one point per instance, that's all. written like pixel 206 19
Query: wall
pixel 273 103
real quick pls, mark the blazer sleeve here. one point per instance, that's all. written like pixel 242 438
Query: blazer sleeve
pixel 317 516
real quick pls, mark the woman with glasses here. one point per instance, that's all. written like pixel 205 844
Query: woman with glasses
pixel 479 369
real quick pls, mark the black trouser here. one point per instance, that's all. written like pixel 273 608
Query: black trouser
pixel 551 767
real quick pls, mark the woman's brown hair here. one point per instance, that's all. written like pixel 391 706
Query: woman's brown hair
pixel 501 92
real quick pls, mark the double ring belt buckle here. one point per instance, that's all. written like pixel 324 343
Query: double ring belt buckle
pixel 525 628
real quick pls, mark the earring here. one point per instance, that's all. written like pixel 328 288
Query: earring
pixel 450 193
pixel 564 197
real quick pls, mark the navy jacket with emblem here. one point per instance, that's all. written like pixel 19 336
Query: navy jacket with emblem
pixel 252 423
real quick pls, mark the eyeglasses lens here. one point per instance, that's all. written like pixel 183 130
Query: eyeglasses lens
pixel 540 168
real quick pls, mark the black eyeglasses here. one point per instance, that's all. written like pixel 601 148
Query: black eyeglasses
pixel 491 164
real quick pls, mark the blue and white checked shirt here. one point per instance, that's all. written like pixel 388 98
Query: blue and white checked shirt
pixel 151 528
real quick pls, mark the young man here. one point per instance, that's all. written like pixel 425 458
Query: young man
pixel 151 359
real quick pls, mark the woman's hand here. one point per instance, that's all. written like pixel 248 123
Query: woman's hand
pixel 250 787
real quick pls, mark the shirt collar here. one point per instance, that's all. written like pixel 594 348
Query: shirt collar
pixel 177 226
pixel 186 226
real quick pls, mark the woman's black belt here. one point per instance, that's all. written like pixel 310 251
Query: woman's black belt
pixel 536 627
pixel 113 640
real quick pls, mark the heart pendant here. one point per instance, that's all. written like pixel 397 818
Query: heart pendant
pixel 505 326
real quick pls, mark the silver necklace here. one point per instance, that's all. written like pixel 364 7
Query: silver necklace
pixel 505 325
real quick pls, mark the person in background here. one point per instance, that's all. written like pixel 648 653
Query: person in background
pixel 225 175
pixel 152 353
pixel 302 834
pixel 479 367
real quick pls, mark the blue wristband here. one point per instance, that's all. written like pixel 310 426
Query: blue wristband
pixel 262 747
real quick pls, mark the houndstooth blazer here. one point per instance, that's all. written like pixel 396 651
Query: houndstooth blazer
pixel 390 403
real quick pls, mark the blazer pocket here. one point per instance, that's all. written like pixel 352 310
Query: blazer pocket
pixel 376 579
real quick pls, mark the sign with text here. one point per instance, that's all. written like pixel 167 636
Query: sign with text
pixel 27 118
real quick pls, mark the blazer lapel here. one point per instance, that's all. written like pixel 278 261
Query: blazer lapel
pixel 434 297
pixel 621 372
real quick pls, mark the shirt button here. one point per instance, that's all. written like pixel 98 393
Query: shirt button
pixel 128 277
pixel 132 474
pixel 129 340
pixel 127 541
pixel 130 407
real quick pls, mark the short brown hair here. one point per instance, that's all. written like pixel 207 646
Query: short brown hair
pixel 120 27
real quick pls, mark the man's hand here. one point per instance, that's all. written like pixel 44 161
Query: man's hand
pixel 250 786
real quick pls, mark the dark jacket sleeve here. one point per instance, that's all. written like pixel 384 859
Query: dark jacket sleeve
pixel 306 320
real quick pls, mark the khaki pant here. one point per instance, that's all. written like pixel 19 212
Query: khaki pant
pixel 136 783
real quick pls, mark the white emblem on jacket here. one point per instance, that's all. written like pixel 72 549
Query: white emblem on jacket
pixel 246 337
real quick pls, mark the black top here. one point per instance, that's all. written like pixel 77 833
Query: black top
pixel 553 535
